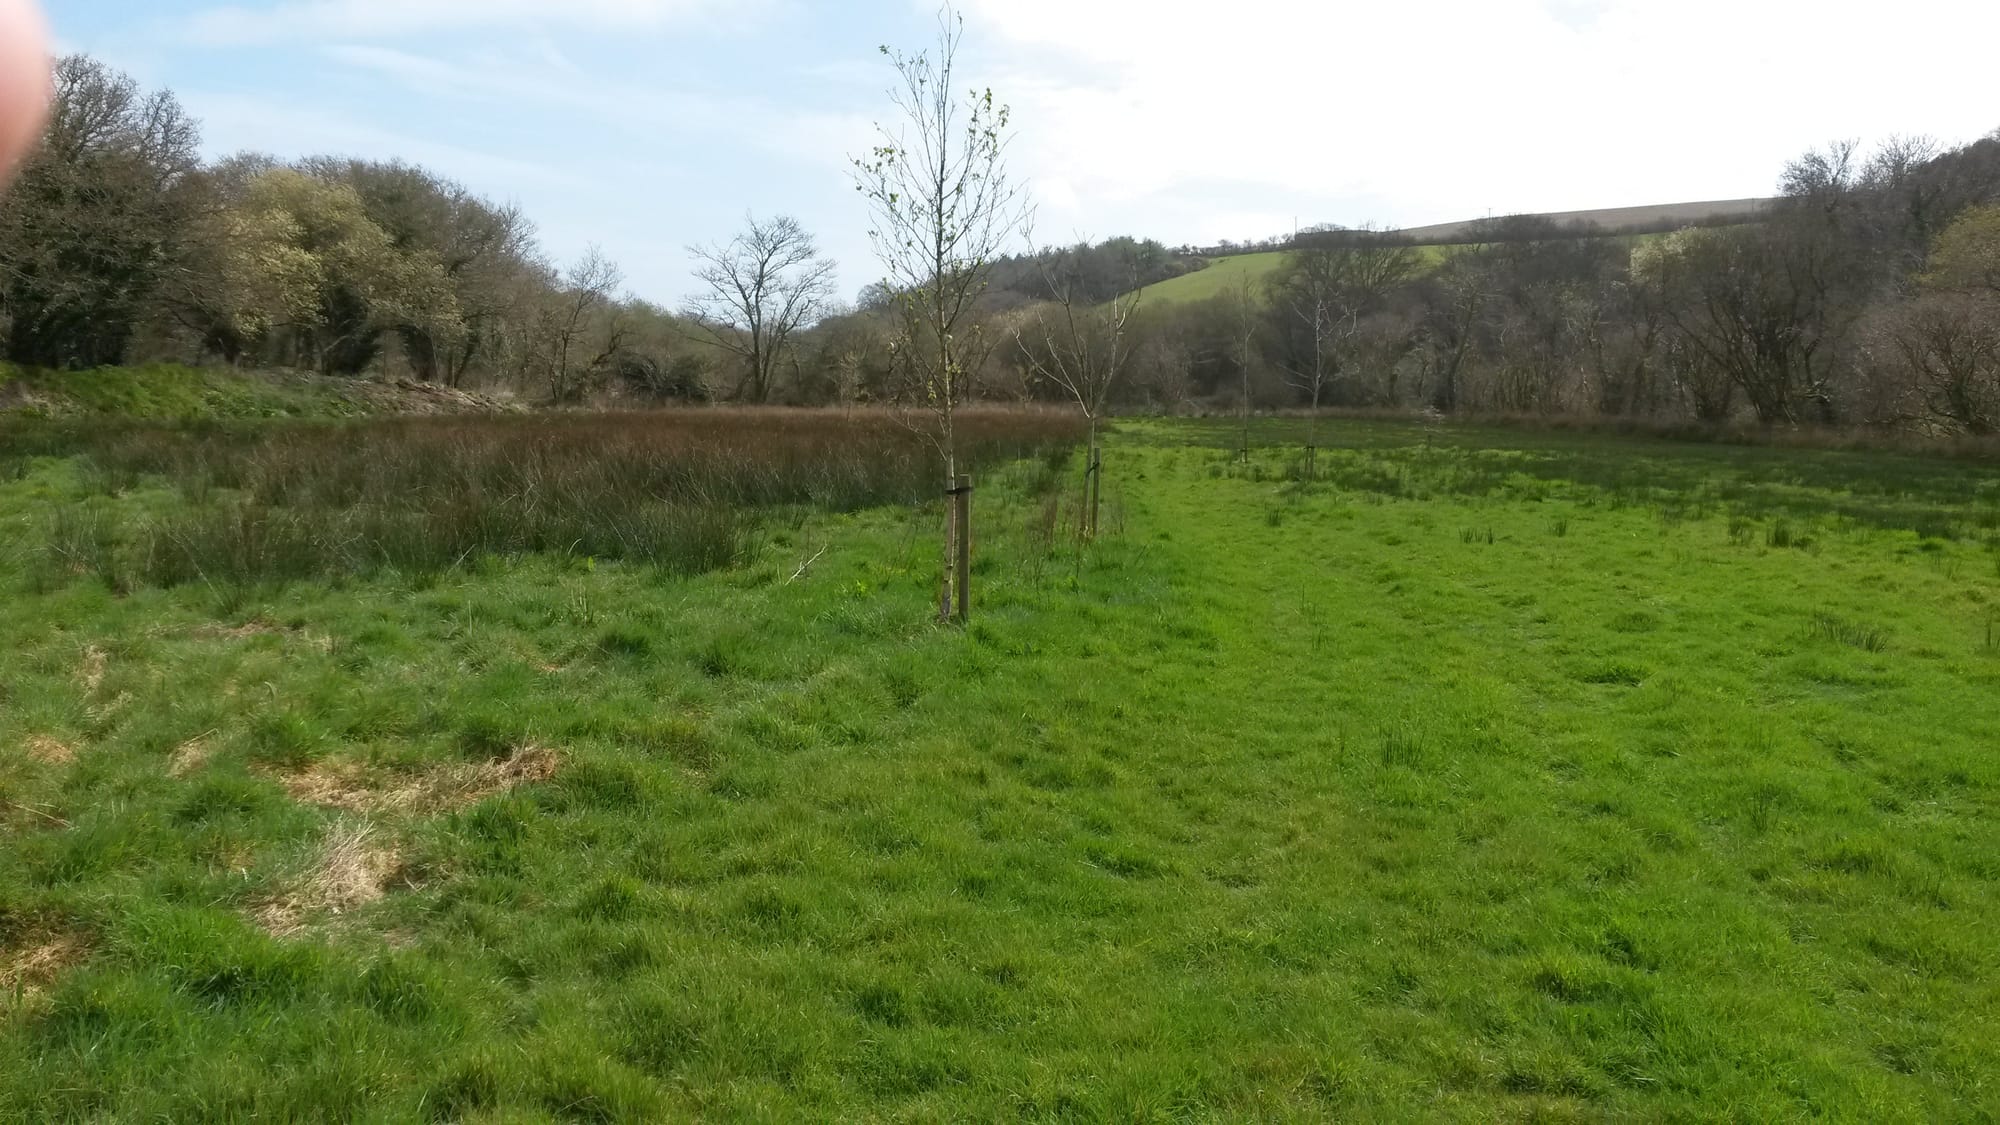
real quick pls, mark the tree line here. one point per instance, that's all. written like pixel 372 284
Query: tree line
pixel 118 243
pixel 1867 294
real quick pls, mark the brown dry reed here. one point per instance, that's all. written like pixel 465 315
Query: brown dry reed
pixel 679 490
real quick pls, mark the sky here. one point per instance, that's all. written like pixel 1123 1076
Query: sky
pixel 644 126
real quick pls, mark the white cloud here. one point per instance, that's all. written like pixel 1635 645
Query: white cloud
pixel 383 19
pixel 236 123
pixel 544 76
pixel 1434 110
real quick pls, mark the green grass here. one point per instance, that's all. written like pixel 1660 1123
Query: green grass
pixel 1221 276
pixel 1228 275
pixel 170 391
pixel 1494 775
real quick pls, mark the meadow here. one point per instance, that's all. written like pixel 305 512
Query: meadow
pixel 1491 775
pixel 1226 275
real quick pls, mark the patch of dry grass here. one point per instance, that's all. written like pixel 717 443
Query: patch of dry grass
pixel 258 627
pixel 49 751
pixel 191 755
pixel 351 870
pixel 90 675
pixel 354 788
pixel 32 964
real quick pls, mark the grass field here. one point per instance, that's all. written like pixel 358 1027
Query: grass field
pixel 1228 275
pixel 1492 776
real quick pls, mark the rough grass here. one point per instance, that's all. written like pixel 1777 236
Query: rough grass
pixel 679 491
pixel 189 394
pixel 1291 802
pixel 1224 276
pixel 1227 275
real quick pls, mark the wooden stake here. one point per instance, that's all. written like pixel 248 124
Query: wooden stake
pixel 961 519
pixel 1096 488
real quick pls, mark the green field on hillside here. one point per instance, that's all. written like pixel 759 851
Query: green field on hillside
pixel 1228 275
pixel 1491 776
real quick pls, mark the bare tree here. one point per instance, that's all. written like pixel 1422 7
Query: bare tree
pixel 589 286
pixel 1945 348
pixel 1080 347
pixel 1308 293
pixel 1761 305
pixel 1243 334
pixel 762 287
pixel 1327 285
pixel 942 209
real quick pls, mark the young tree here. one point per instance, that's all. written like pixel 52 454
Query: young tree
pixel 1327 286
pixel 1243 334
pixel 1305 291
pixel 1079 346
pixel 943 209
pixel 761 288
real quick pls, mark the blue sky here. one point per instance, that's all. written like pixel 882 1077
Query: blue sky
pixel 646 125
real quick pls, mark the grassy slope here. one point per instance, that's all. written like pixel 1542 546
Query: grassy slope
pixel 1511 776
pixel 167 391
pixel 1228 275
pixel 171 391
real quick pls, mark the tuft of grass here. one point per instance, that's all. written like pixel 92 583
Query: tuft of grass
pixel 350 869
pixel 1401 747
pixel 1782 536
pixel 1839 630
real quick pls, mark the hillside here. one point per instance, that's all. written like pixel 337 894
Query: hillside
pixel 1439 240
pixel 1613 220
pixel 1227 275
pixel 174 392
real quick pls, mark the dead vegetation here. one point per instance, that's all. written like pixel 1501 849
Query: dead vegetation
pixel 258 627
pixel 351 870
pixel 191 755
pixel 91 674
pixel 31 964
pixel 355 788
pixel 49 751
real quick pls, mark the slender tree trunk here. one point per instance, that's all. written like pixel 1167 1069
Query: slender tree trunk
pixel 1244 365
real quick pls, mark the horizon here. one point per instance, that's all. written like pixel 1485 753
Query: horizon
pixel 647 126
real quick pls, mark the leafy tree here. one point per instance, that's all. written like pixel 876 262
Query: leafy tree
pixel 1967 253
pixel 463 261
pixel 96 220
pixel 316 277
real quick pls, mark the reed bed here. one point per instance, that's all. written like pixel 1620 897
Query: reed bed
pixel 678 490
